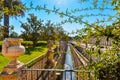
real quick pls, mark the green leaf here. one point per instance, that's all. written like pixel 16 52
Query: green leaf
pixel 75 19
pixel 31 4
pixel 48 11
pixel 110 18
pixel 45 6
pixel 61 14
pixel 38 8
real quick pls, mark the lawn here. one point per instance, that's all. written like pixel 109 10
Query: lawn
pixel 29 54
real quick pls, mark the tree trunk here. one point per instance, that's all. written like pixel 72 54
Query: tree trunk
pixel 6 26
pixel 7 4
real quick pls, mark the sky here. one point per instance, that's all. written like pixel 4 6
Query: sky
pixel 62 5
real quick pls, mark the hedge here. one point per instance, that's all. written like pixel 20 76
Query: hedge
pixel 109 72
pixel 0 45
pixel 28 44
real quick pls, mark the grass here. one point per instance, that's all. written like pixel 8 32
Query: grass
pixel 3 61
pixel 29 54
pixel 32 53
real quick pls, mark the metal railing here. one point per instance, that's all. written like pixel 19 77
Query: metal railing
pixel 56 74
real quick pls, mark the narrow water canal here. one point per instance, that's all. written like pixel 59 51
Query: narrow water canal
pixel 68 66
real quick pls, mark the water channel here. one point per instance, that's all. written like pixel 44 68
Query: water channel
pixel 68 66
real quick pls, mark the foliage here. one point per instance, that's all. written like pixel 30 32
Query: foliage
pixel 35 30
pixel 32 29
pixel 69 14
pixel 105 57
pixel 1 42
pixel 30 43
pixel 53 32
pixel 10 8
pixel 0 45
pixel 108 69
pixel 115 3
pixel 14 35
pixel 41 43
pixel 49 32
pixel 111 72
pixel 61 34
pixel 27 43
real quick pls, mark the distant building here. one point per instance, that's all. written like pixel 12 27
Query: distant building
pixel 103 41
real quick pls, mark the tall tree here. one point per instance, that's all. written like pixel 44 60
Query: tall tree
pixel 49 32
pixel 61 33
pixel 53 32
pixel 14 34
pixel 32 29
pixel 10 8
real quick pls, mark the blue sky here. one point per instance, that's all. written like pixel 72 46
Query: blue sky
pixel 62 5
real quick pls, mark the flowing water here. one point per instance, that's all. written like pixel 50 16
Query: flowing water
pixel 68 66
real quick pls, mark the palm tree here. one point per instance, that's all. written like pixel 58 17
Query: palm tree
pixel 10 8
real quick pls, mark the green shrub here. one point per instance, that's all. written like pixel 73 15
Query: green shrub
pixel 108 71
pixel 30 43
pixel 0 45
pixel 41 43
pixel 27 43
